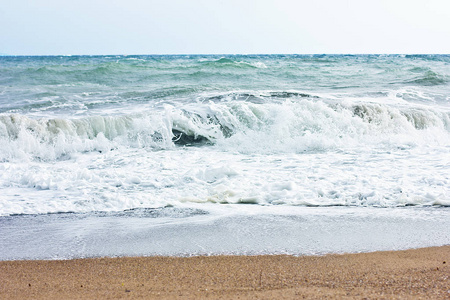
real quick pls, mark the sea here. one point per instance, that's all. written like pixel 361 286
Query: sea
pixel 126 155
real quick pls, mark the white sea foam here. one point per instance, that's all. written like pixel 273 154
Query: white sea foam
pixel 130 178
pixel 303 152
pixel 224 131
pixel 291 126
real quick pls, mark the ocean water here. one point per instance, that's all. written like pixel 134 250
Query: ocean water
pixel 172 139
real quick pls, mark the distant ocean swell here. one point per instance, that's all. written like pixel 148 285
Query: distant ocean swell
pixel 292 126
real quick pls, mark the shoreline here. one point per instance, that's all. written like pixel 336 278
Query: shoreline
pixel 406 274
pixel 223 230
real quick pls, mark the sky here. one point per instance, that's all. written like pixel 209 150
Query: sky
pixel 89 27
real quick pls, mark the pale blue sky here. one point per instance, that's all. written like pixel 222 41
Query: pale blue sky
pixel 39 27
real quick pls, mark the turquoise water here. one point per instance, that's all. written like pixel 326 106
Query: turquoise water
pixel 107 133
pixel 90 84
pixel 235 154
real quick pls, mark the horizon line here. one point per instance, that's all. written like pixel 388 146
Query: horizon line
pixel 227 54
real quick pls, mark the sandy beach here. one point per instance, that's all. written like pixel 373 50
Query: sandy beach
pixel 411 274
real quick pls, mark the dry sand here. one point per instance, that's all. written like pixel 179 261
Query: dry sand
pixel 412 274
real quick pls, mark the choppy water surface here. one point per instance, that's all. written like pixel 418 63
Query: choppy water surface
pixel 113 133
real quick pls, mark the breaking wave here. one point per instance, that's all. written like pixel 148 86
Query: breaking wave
pixel 225 62
pixel 290 126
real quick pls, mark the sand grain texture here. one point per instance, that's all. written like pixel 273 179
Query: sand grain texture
pixel 412 274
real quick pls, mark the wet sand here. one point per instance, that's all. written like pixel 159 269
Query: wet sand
pixel 412 274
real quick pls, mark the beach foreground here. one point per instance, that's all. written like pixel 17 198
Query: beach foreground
pixel 419 274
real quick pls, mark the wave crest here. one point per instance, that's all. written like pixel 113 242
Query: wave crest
pixel 430 78
pixel 301 125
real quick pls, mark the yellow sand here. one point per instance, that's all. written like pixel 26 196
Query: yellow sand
pixel 412 274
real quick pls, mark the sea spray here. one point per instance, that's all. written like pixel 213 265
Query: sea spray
pixel 116 133
pixel 290 126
